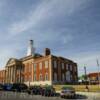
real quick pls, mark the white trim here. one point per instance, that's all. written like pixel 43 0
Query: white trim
pixel 39 83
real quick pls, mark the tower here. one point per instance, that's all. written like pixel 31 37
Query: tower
pixel 31 49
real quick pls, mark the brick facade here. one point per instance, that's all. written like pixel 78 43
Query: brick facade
pixel 39 69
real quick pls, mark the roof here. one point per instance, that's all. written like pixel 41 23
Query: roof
pixel 37 55
pixel 12 60
pixel 93 74
pixel 63 58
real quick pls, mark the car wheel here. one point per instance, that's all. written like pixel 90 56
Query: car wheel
pixel 62 96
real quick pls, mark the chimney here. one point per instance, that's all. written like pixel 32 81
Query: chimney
pixel 31 49
pixel 47 51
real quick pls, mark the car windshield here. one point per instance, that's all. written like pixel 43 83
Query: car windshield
pixel 67 88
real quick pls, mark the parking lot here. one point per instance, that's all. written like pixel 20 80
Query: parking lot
pixel 25 96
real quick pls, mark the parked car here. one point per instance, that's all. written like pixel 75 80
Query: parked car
pixel 48 91
pixel 1 87
pixel 19 87
pixel 67 92
pixel 36 90
pixel 7 87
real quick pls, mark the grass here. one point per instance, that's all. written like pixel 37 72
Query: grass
pixel 79 88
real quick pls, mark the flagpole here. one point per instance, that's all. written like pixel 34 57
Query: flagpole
pixel 98 73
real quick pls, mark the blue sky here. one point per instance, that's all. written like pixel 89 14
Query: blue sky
pixel 69 27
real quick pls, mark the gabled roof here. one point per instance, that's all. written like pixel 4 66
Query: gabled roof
pixel 12 61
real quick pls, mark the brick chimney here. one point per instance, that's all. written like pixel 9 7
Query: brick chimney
pixel 47 51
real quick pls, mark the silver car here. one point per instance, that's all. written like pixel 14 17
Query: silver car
pixel 67 92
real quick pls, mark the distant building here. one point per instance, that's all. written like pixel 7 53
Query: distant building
pixel 93 77
pixel 37 69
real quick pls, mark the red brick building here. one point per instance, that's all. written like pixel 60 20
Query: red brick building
pixel 93 77
pixel 40 69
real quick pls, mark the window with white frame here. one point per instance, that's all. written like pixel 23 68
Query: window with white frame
pixel 40 65
pixel 34 77
pixel 46 64
pixel 35 65
pixel 68 76
pixel 66 66
pixel 46 77
pixel 62 65
pixel 55 64
pixel 55 76
pixel 41 77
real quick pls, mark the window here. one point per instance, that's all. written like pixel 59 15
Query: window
pixel 46 64
pixel 66 66
pixel 71 77
pixel 55 76
pixel 55 64
pixel 35 67
pixel 46 77
pixel 68 76
pixel 34 77
pixel 63 77
pixel 70 67
pixel 75 69
pixel 30 78
pixel 41 77
pixel 62 65
pixel 40 66
pixel 30 68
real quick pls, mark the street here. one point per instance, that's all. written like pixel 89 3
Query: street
pixel 25 96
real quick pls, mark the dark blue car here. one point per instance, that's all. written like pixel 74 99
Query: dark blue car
pixel 7 87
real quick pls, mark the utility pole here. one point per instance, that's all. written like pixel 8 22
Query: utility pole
pixel 98 73
pixel 85 72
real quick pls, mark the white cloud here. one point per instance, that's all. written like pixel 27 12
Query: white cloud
pixel 46 9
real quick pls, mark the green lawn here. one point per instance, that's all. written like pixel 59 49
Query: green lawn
pixel 81 88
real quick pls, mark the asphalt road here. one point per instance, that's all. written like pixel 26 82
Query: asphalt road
pixel 25 96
